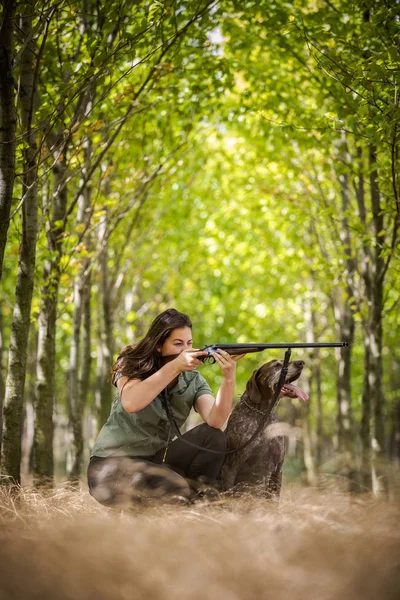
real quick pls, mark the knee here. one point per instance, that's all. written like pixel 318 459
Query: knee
pixel 215 437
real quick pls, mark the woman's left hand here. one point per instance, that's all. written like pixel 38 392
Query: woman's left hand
pixel 227 363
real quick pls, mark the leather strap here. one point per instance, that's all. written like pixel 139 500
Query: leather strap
pixel 175 428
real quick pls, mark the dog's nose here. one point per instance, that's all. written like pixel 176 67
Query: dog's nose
pixel 299 363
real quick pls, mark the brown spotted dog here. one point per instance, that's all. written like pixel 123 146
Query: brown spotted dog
pixel 258 467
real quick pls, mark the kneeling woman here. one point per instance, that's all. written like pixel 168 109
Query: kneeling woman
pixel 135 455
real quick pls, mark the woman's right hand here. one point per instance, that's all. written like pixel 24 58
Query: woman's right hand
pixel 188 360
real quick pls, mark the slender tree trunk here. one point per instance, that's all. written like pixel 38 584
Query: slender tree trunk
pixel 395 420
pixel 45 374
pixel 379 483
pixel 365 268
pixel 29 415
pixel 86 357
pixel 105 352
pixel 75 423
pixel 345 327
pixel 343 390
pixel 395 434
pixel 8 121
pixel 372 423
pixel 365 430
pixel 320 414
pixel 2 386
pixel 375 334
pixel 27 438
pixel 345 321
pixel 13 402
pixel 77 384
pixel 308 445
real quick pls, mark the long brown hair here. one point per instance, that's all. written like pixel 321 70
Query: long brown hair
pixel 139 361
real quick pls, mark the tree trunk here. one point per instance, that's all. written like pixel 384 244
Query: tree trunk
pixel 395 434
pixel 79 381
pixel 345 322
pixel 373 269
pixel 308 445
pixel 379 484
pixel 14 394
pixel 45 374
pixel 374 335
pixel 2 386
pixel 395 420
pixel 8 121
pixel 345 327
pixel 365 268
pixel 29 415
pixel 86 357
pixel 320 415
pixel 75 422
pixel 27 438
pixel 365 431
pixel 105 352
pixel 78 385
pixel 343 391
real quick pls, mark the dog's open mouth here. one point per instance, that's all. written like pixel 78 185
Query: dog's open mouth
pixel 293 391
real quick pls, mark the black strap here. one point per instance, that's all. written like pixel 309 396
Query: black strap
pixel 175 428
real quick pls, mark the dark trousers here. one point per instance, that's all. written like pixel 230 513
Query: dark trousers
pixel 120 481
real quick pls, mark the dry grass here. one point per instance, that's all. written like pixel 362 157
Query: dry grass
pixel 62 545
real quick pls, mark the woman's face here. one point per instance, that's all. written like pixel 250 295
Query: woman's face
pixel 179 339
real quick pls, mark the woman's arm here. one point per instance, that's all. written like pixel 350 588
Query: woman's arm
pixel 136 394
pixel 216 411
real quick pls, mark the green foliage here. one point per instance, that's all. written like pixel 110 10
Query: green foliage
pixel 235 126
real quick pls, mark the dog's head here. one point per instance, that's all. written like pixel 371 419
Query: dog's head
pixel 262 385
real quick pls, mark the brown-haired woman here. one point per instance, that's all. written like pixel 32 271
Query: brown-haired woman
pixel 135 456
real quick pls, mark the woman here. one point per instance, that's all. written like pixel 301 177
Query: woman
pixel 135 456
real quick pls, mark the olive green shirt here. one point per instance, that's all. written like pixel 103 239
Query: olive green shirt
pixel 147 431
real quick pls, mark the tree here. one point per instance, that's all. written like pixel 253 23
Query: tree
pixel 13 403
pixel 8 121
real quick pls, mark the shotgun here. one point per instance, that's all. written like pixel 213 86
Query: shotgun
pixel 234 349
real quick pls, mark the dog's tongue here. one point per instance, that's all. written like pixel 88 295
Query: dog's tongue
pixel 295 390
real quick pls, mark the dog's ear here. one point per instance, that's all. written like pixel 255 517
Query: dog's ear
pixel 252 389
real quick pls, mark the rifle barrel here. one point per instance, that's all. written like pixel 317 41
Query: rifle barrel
pixel 284 345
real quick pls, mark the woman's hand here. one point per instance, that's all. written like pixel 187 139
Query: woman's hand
pixel 188 360
pixel 227 363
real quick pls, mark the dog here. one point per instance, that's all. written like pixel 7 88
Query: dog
pixel 258 467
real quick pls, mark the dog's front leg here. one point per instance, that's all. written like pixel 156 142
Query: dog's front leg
pixel 229 472
pixel 232 467
pixel 273 485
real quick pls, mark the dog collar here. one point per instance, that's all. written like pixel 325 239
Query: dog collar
pixel 252 407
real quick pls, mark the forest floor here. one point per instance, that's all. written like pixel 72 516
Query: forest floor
pixel 322 545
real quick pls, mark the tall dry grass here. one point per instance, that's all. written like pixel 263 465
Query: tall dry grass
pixel 322 545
